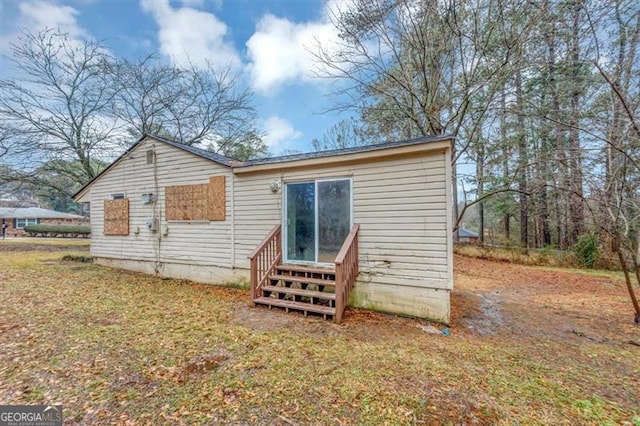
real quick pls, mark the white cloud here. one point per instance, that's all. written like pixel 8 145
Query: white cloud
pixel 186 34
pixel 279 133
pixel 192 3
pixel 280 50
pixel 37 15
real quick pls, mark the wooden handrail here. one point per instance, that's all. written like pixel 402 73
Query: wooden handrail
pixel 264 241
pixel 347 244
pixel 346 271
pixel 265 259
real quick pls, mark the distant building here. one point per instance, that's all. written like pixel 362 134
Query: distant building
pixel 14 219
pixel 11 202
pixel 466 236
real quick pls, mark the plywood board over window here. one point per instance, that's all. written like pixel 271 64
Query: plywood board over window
pixel 216 200
pixel 116 217
pixel 196 202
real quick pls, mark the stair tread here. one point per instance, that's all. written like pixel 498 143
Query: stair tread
pixel 300 292
pixel 299 268
pixel 300 306
pixel 316 281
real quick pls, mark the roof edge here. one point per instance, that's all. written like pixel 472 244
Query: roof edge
pixel 346 155
pixel 293 160
pixel 211 156
pixel 86 186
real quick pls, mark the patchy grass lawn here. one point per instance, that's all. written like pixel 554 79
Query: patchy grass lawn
pixel 44 244
pixel 528 346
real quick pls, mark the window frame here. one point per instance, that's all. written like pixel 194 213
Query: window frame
pixel 27 222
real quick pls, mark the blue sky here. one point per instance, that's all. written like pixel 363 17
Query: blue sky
pixel 266 41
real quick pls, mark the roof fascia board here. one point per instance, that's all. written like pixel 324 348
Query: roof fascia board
pixel 354 157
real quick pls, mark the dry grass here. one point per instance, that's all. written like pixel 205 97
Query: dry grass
pixel 117 347
pixel 65 242
pixel 535 257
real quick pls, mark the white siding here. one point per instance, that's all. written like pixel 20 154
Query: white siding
pixel 202 243
pixel 402 207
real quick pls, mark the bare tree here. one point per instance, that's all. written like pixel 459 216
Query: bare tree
pixel 60 107
pixel 344 134
pixel 189 105
pixel 71 104
pixel 618 190
pixel 420 68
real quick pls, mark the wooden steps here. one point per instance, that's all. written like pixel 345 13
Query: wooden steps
pixel 302 280
pixel 300 288
pixel 325 311
pixel 299 292
pixel 313 270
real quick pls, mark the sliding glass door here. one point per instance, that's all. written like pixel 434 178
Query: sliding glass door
pixel 300 221
pixel 317 219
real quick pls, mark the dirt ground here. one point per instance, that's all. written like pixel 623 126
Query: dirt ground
pixel 507 301
pixel 496 298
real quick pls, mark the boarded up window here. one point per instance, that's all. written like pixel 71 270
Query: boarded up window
pixel 116 217
pixel 217 206
pixel 196 202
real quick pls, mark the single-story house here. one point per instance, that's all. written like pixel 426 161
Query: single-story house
pixel 14 219
pixel 368 226
pixel 467 236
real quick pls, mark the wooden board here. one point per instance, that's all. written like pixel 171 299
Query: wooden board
pixel 186 202
pixel 116 217
pixel 217 199
pixel 204 201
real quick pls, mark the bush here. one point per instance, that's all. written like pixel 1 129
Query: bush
pixel 58 230
pixel 77 258
pixel 587 250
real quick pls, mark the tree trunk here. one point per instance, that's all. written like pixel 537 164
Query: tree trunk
pixel 506 219
pixel 627 279
pixel 575 198
pixel 522 162
pixel 480 182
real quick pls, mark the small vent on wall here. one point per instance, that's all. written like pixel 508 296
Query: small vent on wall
pixel 147 198
pixel 151 155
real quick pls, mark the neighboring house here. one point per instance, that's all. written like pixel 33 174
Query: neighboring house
pixel 467 236
pixel 16 218
pixel 372 223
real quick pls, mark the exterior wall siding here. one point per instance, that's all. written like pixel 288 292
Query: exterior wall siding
pixel 180 242
pixel 402 208
pixel 402 205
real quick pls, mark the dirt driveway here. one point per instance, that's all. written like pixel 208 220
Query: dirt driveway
pixel 503 299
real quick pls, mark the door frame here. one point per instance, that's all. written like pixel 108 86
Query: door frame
pixel 284 204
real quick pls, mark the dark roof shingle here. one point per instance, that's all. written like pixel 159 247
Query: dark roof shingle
pixel 221 159
pixel 341 151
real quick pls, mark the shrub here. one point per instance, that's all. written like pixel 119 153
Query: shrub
pixel 77 258
pixel 57 230
pixel 587 250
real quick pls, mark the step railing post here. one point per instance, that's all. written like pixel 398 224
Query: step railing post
pixel 346 271
pixel 254 278
pixel 264 259
pixel 339 294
